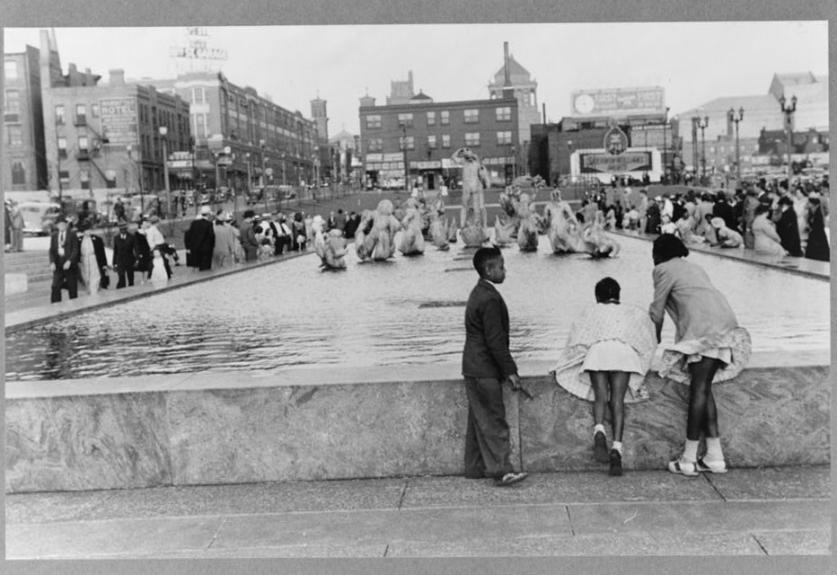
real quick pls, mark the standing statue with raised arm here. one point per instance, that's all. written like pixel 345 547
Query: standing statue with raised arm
pixel 473 216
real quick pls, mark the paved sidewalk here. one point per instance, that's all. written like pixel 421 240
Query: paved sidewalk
pixel 755 512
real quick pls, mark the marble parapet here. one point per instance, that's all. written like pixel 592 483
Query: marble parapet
pixel 336 424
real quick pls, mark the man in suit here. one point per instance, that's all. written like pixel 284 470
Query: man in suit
pixel 486 363
pixel 124 255
pixel 248 237
pixel 64 256
pixel 202 240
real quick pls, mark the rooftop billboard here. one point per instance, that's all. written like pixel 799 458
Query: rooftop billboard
pixel 618 102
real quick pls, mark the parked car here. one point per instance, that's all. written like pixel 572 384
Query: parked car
pixel 39 217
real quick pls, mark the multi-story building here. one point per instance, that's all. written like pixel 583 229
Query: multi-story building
pixel 714 144
pixel 24 158
pixel 347 168
pixel 512 79
pixel 423 134
pixel 241 137
pixel 109 135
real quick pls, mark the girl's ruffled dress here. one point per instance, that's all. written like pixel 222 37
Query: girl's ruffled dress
pixel 607 337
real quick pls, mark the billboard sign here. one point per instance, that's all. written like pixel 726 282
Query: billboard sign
pixel 119 119
pixel 593 163
pixel 618 102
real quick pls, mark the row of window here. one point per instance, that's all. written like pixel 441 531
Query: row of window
pixel 472 139
pixel 470 116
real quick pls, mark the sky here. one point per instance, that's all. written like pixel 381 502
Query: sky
pixel 694 62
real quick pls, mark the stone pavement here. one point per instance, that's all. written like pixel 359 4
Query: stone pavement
pixel 755 512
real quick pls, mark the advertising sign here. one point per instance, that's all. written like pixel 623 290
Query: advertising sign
pixel 593 163
pixel 119 119
pixel 618 102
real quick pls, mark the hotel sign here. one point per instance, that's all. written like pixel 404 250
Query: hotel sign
pixel 618 102
pixel 119 119
pixel 607 163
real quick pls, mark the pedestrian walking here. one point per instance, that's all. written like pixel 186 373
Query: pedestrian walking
pixel 64 256
pixel 17 227
pixel 709 347
pixel 124 256
pixel 608 352
pixel 202 240
pixel 486 364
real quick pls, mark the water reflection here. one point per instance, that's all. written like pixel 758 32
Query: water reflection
pixel 405 312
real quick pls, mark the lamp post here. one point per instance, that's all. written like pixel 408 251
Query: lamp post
pixel 249 179
pixel 129 148
pixel 703 124
pixel 570 160
pixel 163 136
pixel 788 112
pixel 732 118
pixel 665 147
pixel 404 153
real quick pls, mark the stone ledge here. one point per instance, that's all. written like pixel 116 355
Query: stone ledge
pixel 303 431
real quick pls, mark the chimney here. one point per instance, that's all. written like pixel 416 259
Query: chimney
pixel 507 89
pixel 117 77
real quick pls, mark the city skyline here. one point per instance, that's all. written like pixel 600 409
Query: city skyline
pixel 340 64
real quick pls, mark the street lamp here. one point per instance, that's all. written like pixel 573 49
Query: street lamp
pixel 163 136
pixel 703 125
pixel 249 179
pixel 404 153
pixel 788 112
pixel 733 118
pixel 665 147
pixel 129 148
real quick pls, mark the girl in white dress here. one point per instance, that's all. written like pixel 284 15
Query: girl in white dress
pixel 608 353
pixel 159 277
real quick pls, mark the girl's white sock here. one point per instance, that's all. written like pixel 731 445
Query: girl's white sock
pixel 617 445
pixel 713 449
pixel 690 451
pixel 597 428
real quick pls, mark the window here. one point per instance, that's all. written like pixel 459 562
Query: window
pixel 62 147
pixel 84 176
pixel 431 118
pixel 15 137
pixel 82 144
pixel 446 140
pixel 12 101
pixel 444 117
pixel 409 143
pixel 10 69
pixel 472 139
pixel 472 116
pixel 503 114
pixel 376 144
pixel 94 110
pixel 431 142
pixel 18 173
pixel 373 122
pixel 504 137
pixel 405 120
pixel 81 114
pixel 59 114
pixel 64 176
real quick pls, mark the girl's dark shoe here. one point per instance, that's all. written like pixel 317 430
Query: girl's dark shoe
pixel 600 447
pixel 615 463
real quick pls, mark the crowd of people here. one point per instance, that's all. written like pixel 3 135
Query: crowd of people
pixel 768 217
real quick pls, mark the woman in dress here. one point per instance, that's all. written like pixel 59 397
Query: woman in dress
pixel 727 237
pixel 766 240
pixel 608 353
pixel 817 247
pixel 88 266
pixel 709 347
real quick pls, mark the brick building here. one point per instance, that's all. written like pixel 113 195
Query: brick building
pixel 106 135
pixel 426 133
pixel 24 158
pixel 240 135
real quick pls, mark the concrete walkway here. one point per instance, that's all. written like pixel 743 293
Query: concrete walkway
pixel 756 512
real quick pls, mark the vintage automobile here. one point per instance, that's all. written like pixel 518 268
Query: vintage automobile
pixel 39 217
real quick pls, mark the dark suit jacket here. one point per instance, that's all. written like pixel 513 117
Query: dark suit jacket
pixel 124 252
pixel 486 351
pixel 72 250
pixel 99 251
pixel 201 236
pixel 788 229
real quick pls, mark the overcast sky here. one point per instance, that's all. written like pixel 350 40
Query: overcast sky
pixel 693 62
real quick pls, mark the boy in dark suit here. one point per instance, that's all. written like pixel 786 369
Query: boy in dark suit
pixel 64 255
pixel 486 363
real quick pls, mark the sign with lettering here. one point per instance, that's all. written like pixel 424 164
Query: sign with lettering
pixel 591 163
pixel 615 140
pixel 119 120
pixel 619 102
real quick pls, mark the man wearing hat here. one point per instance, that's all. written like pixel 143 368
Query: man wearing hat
pixel 64 255
pixel 124 255
pixel 248 237
pixel 202 240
